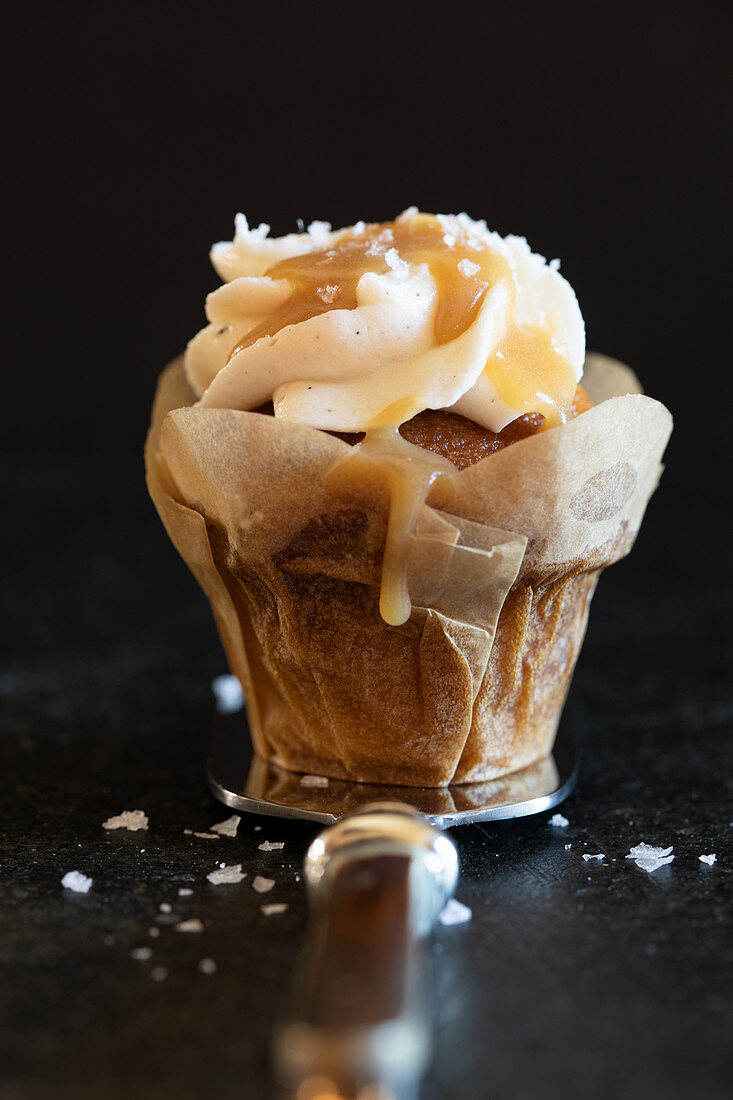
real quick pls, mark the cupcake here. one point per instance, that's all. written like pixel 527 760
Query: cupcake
pixel 397 476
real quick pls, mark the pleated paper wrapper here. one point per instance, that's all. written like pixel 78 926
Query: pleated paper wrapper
pixel 501 569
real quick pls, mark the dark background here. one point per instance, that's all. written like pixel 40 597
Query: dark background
pixel 599 132
pixel 602 133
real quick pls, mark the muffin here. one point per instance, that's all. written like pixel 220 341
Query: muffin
pixel 397 476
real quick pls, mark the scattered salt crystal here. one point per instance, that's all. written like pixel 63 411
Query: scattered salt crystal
pixel 314 780
pixel 258 828
pixel 228 827
pixel 262 885
pixel 319 229
pixel 165 907
pixel 271 845
pixel 273 908
pixel 159 973
pixel 128 819
pixel 207 966
pixel 597 855
pixel 224 876
pixel 558 821
pixel 207 836
pixel 455 912
pixel 193 925
pixel 228 694
pixel 188 832
pixel 141 954
pixel 568 847
pixel 185 892
pixel 648 858
pixel 393 259
pixel 328 293
pixel 467 268
pixel 153 932
pixel 77 882
pixel 710 860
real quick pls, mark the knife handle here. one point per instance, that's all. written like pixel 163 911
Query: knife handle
pixel 376 881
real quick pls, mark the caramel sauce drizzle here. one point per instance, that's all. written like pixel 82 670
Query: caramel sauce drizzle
pixel 527 370
pixel 327 279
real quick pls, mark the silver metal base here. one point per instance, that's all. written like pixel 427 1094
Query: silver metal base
pixel 243 781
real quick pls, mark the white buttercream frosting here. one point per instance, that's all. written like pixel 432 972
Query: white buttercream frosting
pixel 340 369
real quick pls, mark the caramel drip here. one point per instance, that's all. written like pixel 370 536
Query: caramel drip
pixel 532 375
pixel 407 472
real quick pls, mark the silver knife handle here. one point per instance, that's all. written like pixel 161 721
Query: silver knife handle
pixel 377 882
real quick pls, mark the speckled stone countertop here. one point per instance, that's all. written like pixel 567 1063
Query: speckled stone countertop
pixel 574 978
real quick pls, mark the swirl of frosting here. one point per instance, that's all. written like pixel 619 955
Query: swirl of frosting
pixel 351 329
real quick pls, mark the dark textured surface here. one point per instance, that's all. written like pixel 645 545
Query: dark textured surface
pixel 572 979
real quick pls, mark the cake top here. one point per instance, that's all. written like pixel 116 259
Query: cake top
pixel 366 326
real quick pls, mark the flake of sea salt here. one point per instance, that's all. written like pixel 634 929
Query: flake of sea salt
pixel 328 293
pixel 710 860
pixel 159 973
pixel 319 229
pixel 225 876
pixel 273 908
pixel 228 694
pixel 596 855
pixel 262 885
pixel 165 907
pixel 468 268
pixel 207 836
pixel 141 954
pixel 271 845
pixel 393 259
pixel 128 819
pixel 568 847
pixel 153 932
pixel 76 882
pixel 558 821
pixel 228 827
pixel 185 892
pixel 314 780
pixel 648 858
pixel 188 832
pixel 455 912
pixel 193 925
pixel 207 966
